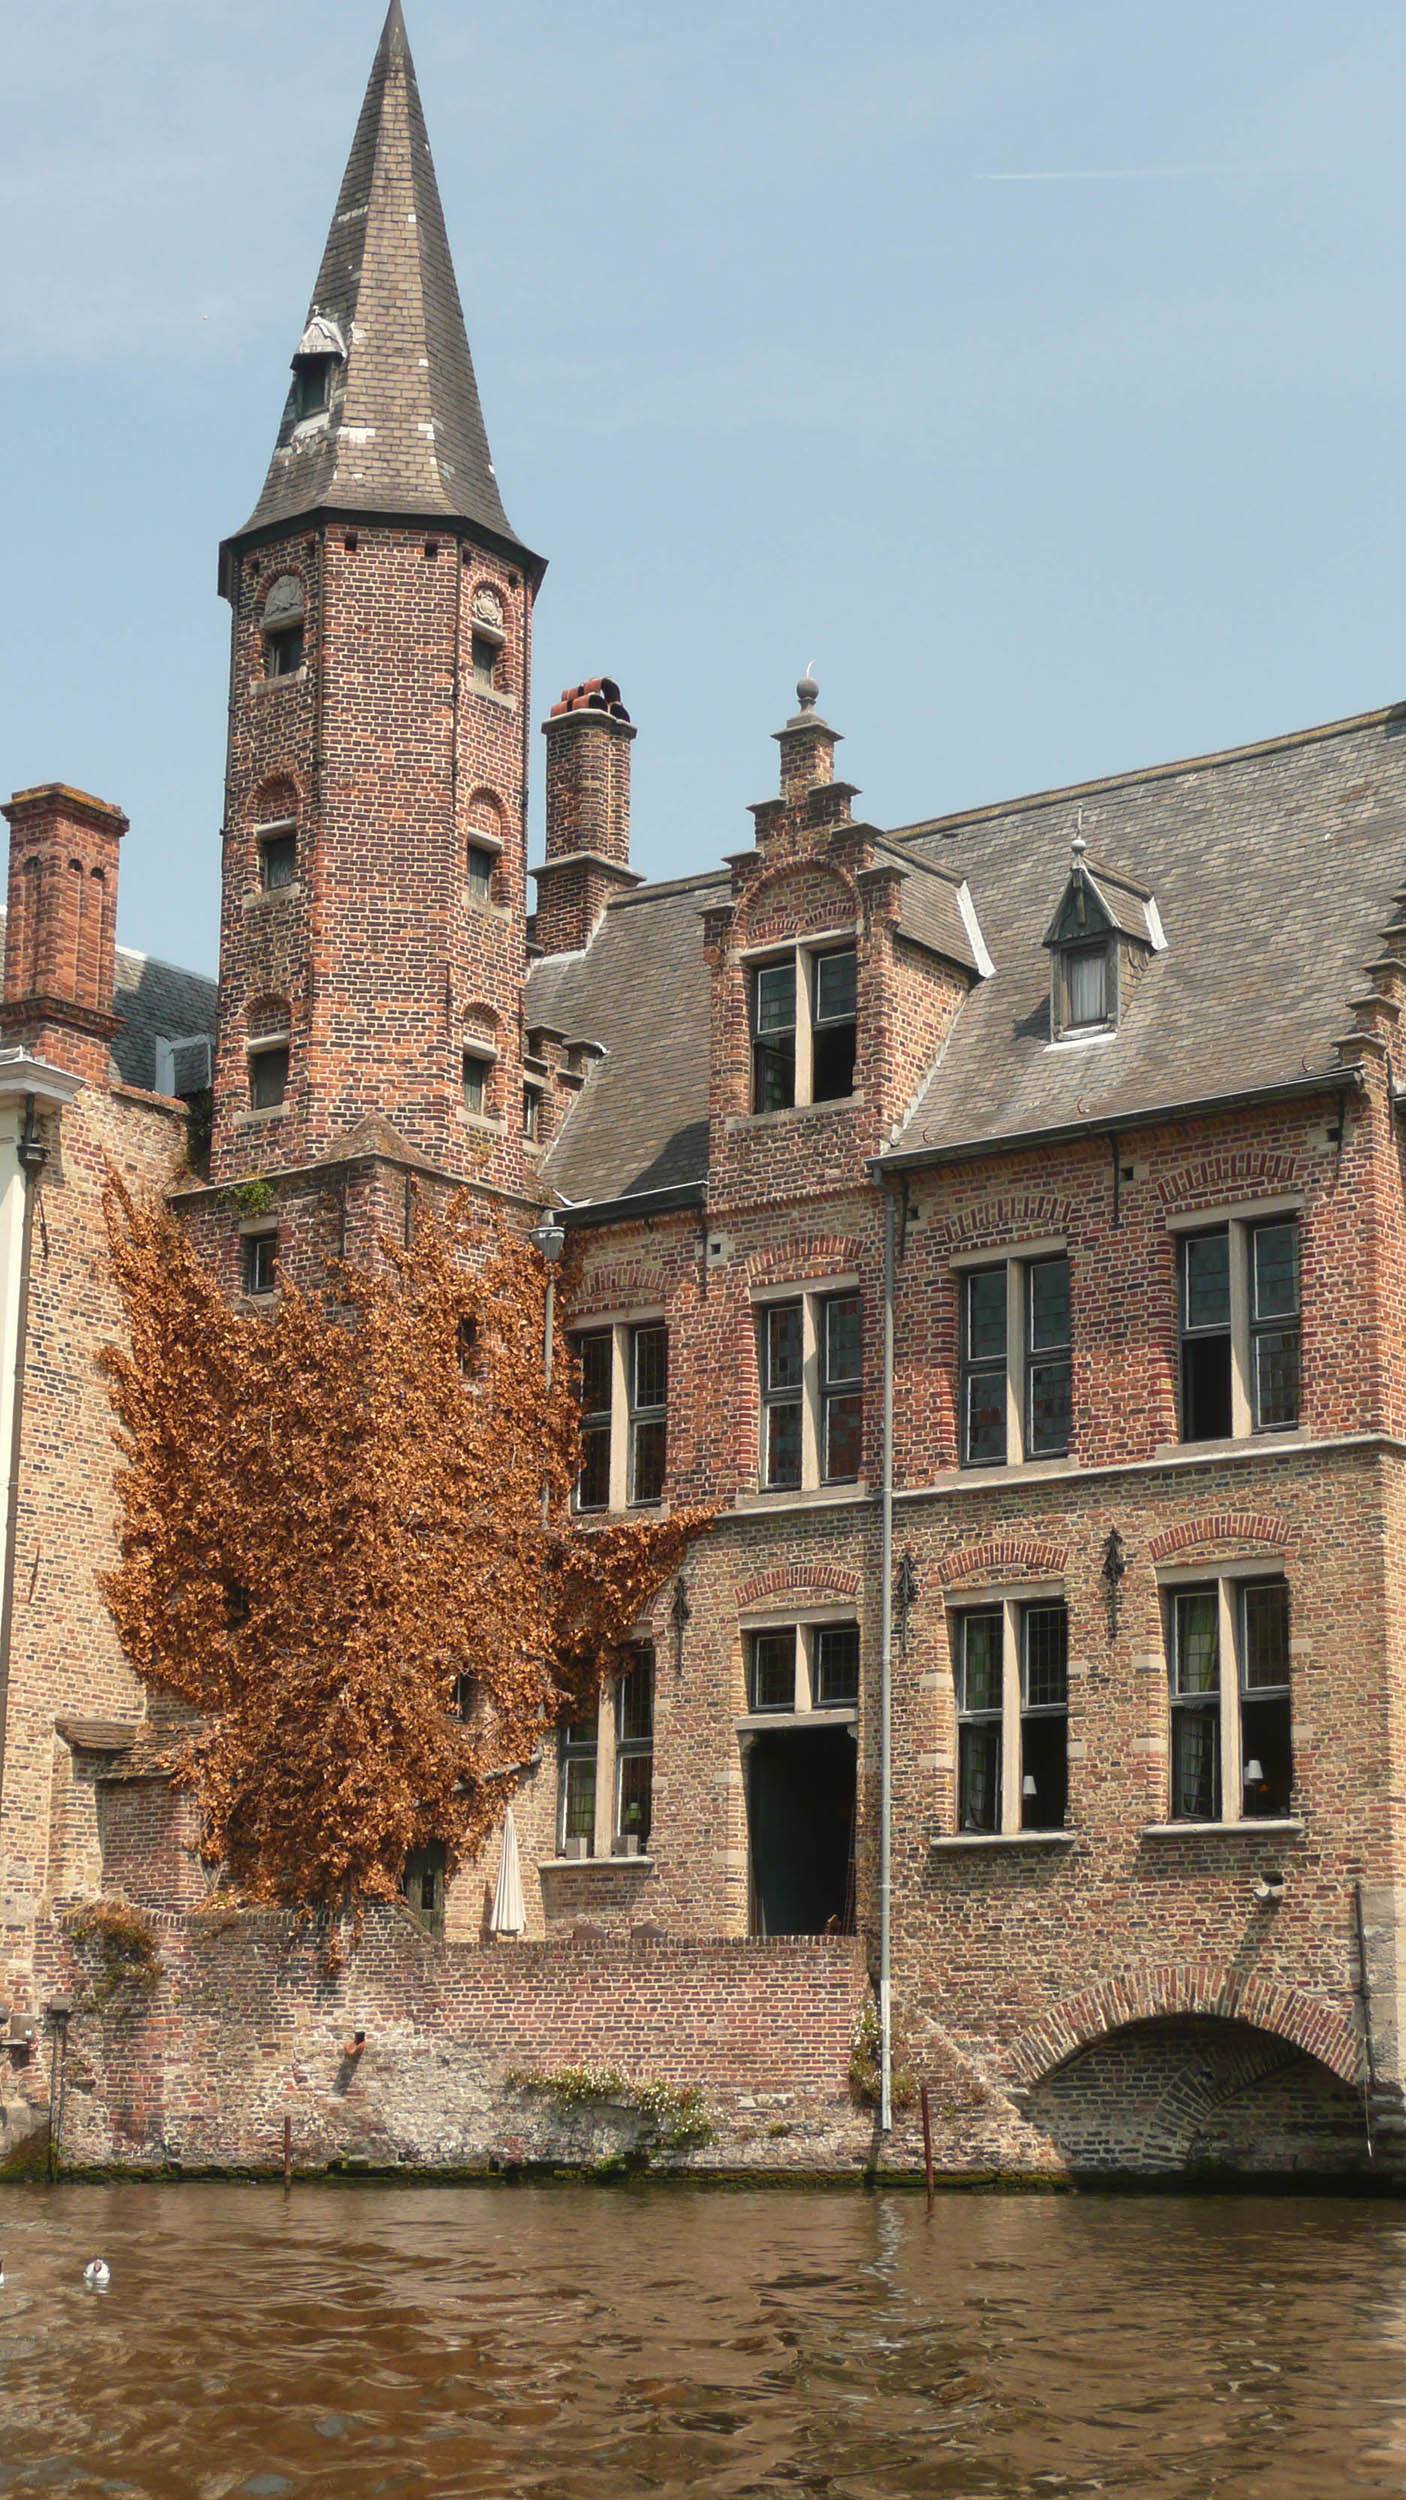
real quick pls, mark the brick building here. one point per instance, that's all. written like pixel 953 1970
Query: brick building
pixel 1001 1217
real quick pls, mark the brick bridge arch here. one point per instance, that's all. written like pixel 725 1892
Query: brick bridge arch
pixel 1287 2014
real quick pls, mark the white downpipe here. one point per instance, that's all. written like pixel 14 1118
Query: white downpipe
pixel 886 1694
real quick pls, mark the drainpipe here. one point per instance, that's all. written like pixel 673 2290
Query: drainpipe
pixel 32 1156
pixel 886 1689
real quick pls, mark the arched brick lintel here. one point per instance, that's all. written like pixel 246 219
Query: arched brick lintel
pixel 1305 2022
pixel 793 1580
pixel 1222 1527
pixel 1004 1557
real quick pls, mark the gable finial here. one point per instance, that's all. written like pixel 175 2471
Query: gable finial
pixel 1078 846
pixel 807 691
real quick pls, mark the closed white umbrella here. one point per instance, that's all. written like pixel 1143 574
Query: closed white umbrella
pixel 509 1915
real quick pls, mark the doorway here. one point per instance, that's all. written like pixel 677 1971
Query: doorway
pixel 800 1819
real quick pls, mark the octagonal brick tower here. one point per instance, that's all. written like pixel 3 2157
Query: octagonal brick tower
pixel 373 923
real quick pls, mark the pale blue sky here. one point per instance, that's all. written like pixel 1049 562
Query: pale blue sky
pixel 1034 368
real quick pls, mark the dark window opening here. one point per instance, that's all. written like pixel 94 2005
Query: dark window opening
pixel 634 1753
pixel 468 1694
pixel 312 387
pixel 1266 1744
pixel 771 1670
pixel 979 1703
pixel 835 1666
pixel 483 653
pixel 268 1076
pixel 1205 1337
pixel 532 1112
pixel 1044 1718
pixel 259 1263
pixel 477 1072
pixel 1195 1682
pixel 1084 974
pixel 1047 1358
pixel 481 864
pixel 774 1036
pixel 283 650
pixel 1274 1324
pixel 423 1885
pixel 781 1337
pixel 649 1394
pixel 984 1367
pixel 595 1353
pixel 833 1038
pixel 580 1750
pixel 841 1399
pixel 800 1818
pixel 466 1345
pixel 278 861
pixel 236 1605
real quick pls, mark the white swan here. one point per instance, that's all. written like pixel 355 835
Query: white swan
pixel 96 2275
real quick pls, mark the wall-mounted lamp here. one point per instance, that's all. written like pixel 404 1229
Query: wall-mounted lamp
pixel 680 1616
pixel 1115 1564
pixel 1270 1888
pixel 548 1238
pixel 905 1598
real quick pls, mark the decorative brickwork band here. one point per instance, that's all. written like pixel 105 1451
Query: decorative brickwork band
pixel 793 1580
pixel 1025 1218
pixel 1221 1177
pixel 1308 2023
pixel 1224 1527
pixel 1006 1557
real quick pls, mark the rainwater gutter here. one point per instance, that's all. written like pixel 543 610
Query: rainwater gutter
pixel 31 1156
pixel 886 1685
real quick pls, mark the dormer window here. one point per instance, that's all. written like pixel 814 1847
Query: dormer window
pixel 804 1027
pixel 312 387
pixel 1084 977
pixel 1104 929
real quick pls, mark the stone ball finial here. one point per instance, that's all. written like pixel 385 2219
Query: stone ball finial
pixel 807 691
pixel 1077 849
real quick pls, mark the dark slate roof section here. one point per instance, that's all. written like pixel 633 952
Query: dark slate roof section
pixel 1274 869
pixel 641 990
pixel 930 911
pixel 157 1002
pixel 405 431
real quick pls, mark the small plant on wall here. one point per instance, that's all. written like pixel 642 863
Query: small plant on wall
pixel 119 1939
pixel 329 1518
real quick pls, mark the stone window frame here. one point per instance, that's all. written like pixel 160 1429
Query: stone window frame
pixel 811 1295
pixel 804 953
pixel 275 1042
pixel 258 1278
pixel 1229 1580
pixel 277 632
pixel 1017 1259
pixel 267 838
pixel 605 1749
pixel 485 847
pixel 803 1624
pixel 1240 1222
pixel 485 1055
pixel 624 1417
pixel 1014 1602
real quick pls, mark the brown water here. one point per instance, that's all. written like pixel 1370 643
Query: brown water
pixel 605 2343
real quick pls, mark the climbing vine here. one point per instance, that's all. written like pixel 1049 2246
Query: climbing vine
pixel 331 1515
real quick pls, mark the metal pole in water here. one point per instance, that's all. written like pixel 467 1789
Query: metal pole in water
pixel 287 2152
pixel 927 2142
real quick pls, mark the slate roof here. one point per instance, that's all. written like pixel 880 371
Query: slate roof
pixel 1271 870
pixel 157 1002
pixel 641 990
pixel 405 432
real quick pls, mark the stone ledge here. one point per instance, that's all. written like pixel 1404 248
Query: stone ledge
pixel 1001 1840
pixel 1244 1830
pixel 579 1866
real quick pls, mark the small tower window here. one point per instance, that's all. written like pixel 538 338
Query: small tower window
pixel 532 1112
pixel 312 387
pixel 477 1070
pixel 483 652
pixel 282 627
pixel 278 858
pixel 481 864
pixel 268 1075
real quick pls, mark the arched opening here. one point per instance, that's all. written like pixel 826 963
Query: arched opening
pixel 1199 2094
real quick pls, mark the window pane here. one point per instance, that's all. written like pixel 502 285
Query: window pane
pixel 649 1349
pixel 1047 1424
pixel 774 1075
pixel 475 1084
pixel 836 986
pixel 1206 1280
pixel 1275 1270
pixel 843 1439
pixel 634 1702
pixel 1196 1642
pixel 480 874
pixel 1265 1633
pixel 1086 971
pixel 1044 1656
pixel 1276 1378
pixel 782 1435
pixel 593 1487
pixel 278 861
pixel 594 1355
pixel 1044 1773
pixel 979 1776
pixel 774 1670
pixel 784 1346
pixel 647 1459
pixel 832 1062
pixel 986 1419
pixel 840 1337
pixel 1268 1766
pixel 635 1804
pixel 980 1643
pixel 986 1315
pixel 1205 1388
pixel 578 1814
pixel 775 997
pixel 836 1664
pixel 268 1079
pixel 1195 1763
pixel 1047 1282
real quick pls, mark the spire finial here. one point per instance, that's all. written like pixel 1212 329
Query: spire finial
pixel 807 691
pixel 1078 846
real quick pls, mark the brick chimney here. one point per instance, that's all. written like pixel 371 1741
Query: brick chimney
pixel 589 735
pixel 61 928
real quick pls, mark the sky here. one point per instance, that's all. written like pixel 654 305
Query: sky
pixel 1032 370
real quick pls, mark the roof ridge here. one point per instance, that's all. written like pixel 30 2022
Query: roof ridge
pixel 1283 740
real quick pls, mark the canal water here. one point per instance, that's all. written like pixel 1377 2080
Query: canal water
pixel 607 2342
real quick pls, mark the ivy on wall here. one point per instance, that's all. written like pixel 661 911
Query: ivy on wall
pixel 332 1512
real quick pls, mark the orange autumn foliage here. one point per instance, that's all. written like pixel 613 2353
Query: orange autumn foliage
pixel 332 1512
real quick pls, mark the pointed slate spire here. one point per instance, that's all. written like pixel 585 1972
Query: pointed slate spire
pixel 403 430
